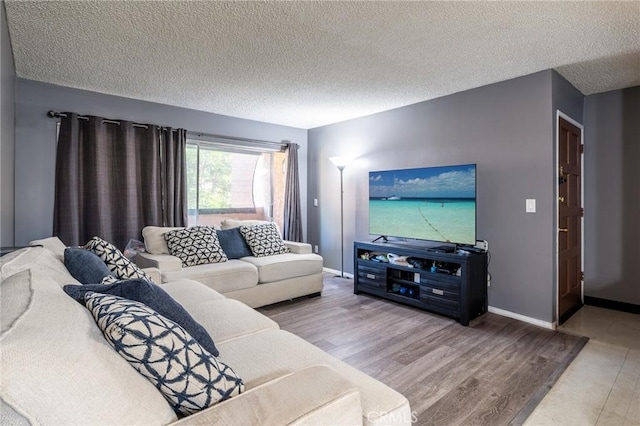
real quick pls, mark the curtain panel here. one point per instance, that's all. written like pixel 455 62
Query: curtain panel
pixel 112 179
pixel 292 210
pixel 173 148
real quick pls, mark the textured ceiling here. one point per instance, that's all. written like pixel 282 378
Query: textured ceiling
pixel 306 64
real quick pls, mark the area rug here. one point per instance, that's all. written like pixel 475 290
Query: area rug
pixel 493 372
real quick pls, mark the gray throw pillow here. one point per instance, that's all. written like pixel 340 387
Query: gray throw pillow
pixel 154 297
pixel 233 243
pixel 85 266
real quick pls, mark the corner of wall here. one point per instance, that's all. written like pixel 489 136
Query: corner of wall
pixel 7 132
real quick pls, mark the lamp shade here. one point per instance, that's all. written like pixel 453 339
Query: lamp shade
pixel 340 162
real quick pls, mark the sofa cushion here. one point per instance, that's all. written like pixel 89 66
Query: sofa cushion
pixel 284 266
pixel 235 223
pixel 314 396
pixel 85 266
pixel 154 297
pixel 233 243
pixel 190 293
pixel 298 248
pixel 53 244
pixel 228 319
pixel 281 351
pixel 117 262
pixel 222 277
pixel 198 245
pixel 189 377
pixel 16 297
pixel 154 241
pixel 57 367
pixel 163 262
pixel 264 240
pixel 36 259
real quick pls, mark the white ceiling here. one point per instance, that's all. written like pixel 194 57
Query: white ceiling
pixel 306 64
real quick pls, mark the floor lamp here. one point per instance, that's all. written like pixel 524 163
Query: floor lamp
pixel 341 163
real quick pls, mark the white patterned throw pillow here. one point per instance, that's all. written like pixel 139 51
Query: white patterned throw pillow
pixel 118 264
pixel 189 377
pixel 195 246
pixel 264 240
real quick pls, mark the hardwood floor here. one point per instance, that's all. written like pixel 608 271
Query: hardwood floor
pixel 493 372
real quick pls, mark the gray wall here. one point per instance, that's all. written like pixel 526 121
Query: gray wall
pixel 36 147
pixel 505 128
pixel 7 133
pixel 612 196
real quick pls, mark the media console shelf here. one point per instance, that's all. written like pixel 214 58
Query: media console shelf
pixel 450 284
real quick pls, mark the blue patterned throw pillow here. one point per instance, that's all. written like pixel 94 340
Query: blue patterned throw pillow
pixel 264 240
pixel 155 298
pixel 117 262
pixel 189 377
pixel 198 245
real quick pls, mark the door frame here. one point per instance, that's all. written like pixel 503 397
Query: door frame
pixel 560 114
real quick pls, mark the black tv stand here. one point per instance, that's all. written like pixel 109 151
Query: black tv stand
pixel 443 249
pixel 452 284
pixel 384 238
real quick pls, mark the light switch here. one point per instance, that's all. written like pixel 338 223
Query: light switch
pixel 531 205
pixel 315 202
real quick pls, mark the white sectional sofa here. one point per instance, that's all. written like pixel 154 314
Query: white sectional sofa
pixel 256 281
pixel 57 367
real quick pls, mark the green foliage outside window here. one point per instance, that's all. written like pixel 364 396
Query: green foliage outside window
pixel 215 178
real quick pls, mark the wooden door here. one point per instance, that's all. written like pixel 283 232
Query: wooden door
pixel 570 214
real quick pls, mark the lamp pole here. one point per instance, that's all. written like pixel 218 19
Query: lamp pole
pixel 341 168
pixel 341 163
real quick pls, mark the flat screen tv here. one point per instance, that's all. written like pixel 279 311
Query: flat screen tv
pixel 429 203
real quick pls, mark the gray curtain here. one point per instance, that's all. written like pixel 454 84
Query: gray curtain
pixel 111 178
pixel 173 148
pixel 292 215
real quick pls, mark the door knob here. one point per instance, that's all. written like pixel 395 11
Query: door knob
pixel 561 199
pixel 563 230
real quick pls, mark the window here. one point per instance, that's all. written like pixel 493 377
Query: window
pixel 232 182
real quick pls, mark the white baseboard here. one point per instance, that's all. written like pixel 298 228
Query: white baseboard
pixel 336 272
pixel 539 323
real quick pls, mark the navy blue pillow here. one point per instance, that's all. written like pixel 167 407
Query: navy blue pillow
pixel 154 297
pixel 85 266
pixel 233 243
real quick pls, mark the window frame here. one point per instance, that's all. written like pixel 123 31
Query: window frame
pixel 249 147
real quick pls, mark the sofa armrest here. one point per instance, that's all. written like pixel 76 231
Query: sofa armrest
pixel 298 248
pixel 154 273
pixel 163 262
pixel 315 395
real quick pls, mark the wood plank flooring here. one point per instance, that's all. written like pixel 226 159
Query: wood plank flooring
pixel 493 372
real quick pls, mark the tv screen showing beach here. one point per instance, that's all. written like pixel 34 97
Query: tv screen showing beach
pixel 432 203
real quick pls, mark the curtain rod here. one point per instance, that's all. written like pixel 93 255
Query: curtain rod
pixel 54 114
pixel 211 137
pixel 190 134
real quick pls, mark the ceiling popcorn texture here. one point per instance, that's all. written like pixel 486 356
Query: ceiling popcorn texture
pixel 307 64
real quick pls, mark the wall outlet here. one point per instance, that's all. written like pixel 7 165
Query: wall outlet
pixel 315 202
pixel 530 206
pixel 488 279
pixel 315 249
